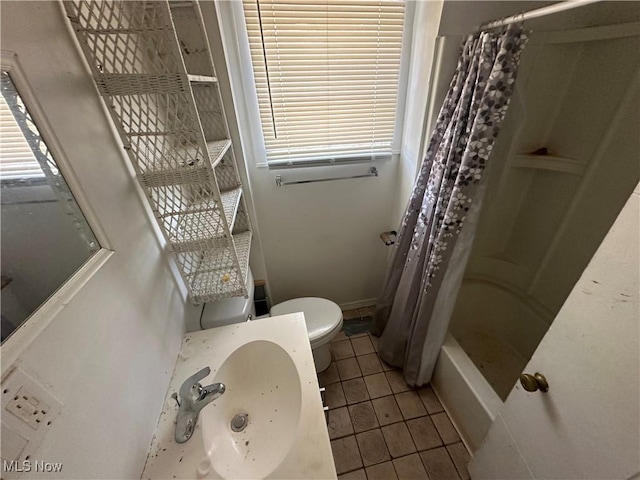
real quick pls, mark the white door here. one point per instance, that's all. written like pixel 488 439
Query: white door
pixel 587 426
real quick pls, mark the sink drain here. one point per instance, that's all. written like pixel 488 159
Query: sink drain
pixel 239 422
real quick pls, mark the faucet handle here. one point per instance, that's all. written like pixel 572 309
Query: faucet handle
pixel 194 379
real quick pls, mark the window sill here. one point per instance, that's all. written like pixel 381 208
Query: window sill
pixel 329 162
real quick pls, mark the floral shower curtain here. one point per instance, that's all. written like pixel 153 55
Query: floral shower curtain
pixel 434 240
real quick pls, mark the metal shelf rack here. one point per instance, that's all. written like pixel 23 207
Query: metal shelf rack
pixel 152 64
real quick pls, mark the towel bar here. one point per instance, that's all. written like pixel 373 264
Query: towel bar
pixel 373 172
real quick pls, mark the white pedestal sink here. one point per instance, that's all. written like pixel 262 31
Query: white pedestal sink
pixel 268 370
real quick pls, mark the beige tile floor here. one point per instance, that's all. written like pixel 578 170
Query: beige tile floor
pixel 380 428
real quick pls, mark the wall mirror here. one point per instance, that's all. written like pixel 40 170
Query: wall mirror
pixel 45 236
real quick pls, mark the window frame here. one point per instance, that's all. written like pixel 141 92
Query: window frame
pixel 233 31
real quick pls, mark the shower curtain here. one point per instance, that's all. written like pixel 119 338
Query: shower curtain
pixel 434 240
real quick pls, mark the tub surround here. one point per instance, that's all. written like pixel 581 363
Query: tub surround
pixel 310 455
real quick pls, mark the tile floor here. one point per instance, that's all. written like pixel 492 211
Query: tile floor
pixel 380 428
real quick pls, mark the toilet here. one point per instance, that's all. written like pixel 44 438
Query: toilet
pixel 323 318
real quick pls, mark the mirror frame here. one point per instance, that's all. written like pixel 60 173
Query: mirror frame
pixel 35 323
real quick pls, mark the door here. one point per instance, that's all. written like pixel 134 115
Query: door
pixel 587 426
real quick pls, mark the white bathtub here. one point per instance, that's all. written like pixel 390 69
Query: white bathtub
pixel 498 328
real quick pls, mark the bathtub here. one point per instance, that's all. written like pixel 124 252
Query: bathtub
pixel 496 328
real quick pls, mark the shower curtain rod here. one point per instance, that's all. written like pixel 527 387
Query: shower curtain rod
pixel 539 12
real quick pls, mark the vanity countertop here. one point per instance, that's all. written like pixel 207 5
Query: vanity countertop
pixel 310 456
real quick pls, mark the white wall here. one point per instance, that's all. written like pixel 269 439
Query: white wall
pixel 433 62
pixel 322 238
pixel 318 239
pixel 109 353
pixel 425 30
pixel 460 17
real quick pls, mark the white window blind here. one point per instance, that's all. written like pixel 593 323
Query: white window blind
pixel 326 73
pixel 16 157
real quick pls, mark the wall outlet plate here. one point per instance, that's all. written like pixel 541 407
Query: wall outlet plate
pixel 28 409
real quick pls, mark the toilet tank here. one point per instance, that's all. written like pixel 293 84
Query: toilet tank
pixel 229 310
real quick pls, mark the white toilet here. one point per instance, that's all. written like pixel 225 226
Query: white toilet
pixel 323 318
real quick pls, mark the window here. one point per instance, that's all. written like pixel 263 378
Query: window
pixel 326 74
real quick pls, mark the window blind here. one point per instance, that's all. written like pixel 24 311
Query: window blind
pixel 16 157
pixel 326 74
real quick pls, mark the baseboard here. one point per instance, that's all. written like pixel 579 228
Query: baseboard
pixel 368 302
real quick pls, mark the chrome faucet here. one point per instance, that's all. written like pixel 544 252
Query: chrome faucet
pixel 193 398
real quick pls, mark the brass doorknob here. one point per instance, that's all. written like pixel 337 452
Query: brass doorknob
pixel 534 382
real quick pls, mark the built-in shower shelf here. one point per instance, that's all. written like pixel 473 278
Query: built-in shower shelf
pixel 551 163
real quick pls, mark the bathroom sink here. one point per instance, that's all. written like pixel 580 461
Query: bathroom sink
pixel 263 398
pixel 269 374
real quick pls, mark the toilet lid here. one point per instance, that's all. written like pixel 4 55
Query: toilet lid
pixel 321 315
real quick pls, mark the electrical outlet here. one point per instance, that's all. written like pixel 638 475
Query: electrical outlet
pixel 28 411
pixel 29 408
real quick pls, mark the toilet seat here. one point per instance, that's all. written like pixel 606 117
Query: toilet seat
pixel 323 317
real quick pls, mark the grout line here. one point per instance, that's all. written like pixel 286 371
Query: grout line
pixel 453 461
pixel 424 465
pixel 438 431
pixel 359 452
pixel 393 465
